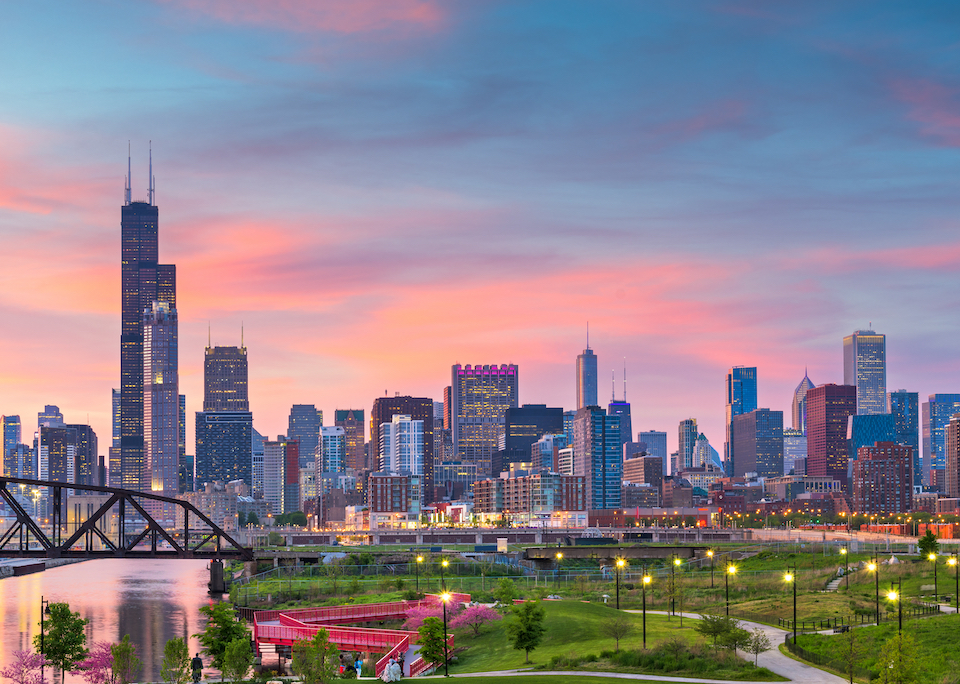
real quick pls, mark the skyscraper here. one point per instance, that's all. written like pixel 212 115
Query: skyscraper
pixel 935 414
pixel 224 429
pixel 143 281
pixel 304 426
pixel 481 396
pixel 741 393
pixel 11 439
pixel 86 460
pixel 331 451
pixel 905 408
pixel 865 367
pixel 351 420
pixel 598 456
pixel 794 447
pixel 621 408
pixel 758 443
pixel 522 427
pixel 161 401
pixel 687 436
pixel 401 446
pixel 656 442
pixel 800 403
pixel 828 407
pixel 418 408
pixel 587 378
pixel 281 481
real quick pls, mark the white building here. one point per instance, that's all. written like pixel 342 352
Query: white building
pixel 401 446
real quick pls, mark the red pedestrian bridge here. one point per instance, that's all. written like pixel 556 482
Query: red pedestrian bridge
pixel 272 628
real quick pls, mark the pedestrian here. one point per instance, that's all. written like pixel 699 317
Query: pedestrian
pixel 196 665
pixel 400 663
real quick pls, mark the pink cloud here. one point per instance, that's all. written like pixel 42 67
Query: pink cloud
pixel 934 106
pixel 338 16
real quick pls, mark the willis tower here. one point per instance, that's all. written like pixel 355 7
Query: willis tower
pixel 143 282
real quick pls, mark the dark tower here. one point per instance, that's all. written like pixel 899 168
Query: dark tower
pixel 142 282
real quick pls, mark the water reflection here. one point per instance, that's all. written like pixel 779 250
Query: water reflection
pixel 151 600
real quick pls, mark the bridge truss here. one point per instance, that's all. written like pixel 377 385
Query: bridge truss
pixel 117 524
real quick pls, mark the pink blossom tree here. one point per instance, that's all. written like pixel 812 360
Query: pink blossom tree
pixel 97 668
pixel 25 668
pixel 416 616
pixel 475 616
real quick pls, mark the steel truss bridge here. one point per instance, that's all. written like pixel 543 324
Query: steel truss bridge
pixel 121 527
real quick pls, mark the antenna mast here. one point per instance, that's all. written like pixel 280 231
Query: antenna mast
pixel 613 385
pixel 151 179
pixel 126 187
pixel 624 379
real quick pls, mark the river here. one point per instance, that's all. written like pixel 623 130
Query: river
pixel 151 600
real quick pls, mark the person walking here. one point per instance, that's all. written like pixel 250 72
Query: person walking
pixel 196 665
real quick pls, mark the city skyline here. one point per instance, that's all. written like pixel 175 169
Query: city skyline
pixel 380 173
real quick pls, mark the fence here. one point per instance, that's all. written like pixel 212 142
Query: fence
pixel 826 661
pixel 922 610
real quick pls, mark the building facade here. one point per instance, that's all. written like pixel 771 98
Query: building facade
pixel 828 407
pixel 418 408
pixel 224 429
pixel 904 406
pixel 401 446
pixel 794 448
pixel 303 425
pixel 351 420
pixel 331 450
pixel 865 367
pixel 883 479
pixel 161 401
pixel 687 440
pixel 758 443
pixel 597 456
pixel 481 396
pixel 655 443
pixel 587 379
pixel 741 393
pixel 936 412
pixel 799 407
pixel 281 480
pixel 522 427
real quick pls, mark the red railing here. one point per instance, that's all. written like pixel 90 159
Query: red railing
pixel 401 647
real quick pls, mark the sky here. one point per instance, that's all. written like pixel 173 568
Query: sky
pixel 374 191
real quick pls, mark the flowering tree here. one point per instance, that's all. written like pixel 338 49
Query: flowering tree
pixel 25 668
pixel 475 617
pixel 416 616
pixel 97 667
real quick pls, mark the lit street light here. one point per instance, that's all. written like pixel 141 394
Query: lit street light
pixel 419 561
pixel 676 564
pixel 731 570
pixel 956 576
pixel 846 573
pixel 444 597
pixel 559 559
pixel 443 583
pixel 710 555
pixel 620 564
pixel 874 567
pixel 894 595
pixel 646 580
pixel 792 578
pixel 933 558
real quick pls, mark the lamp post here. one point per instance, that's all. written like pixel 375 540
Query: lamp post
pixel 792 578
pixel 897 596
pixel 933 558
pixel 846 574
pixel 419 561
pixel 956 576
pixel 559 558
pixel 44 608
pixel 444 597
pixel 620 563
pixel 646 580
pixel 874 567
pixel 676 564
pixel 443 583
pixel 731 570
pixel 710 555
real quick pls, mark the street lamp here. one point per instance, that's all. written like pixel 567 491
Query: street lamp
pixel 676 564
pixel 894 595
pixel 559 558
pixel 846 574
pixel 44 608
pixel 933 558
pixel 710 555
pixel 443 583
pixel 444 597
pixel 874 567
pixel 956 575
pixel 620 564
pixel 792 578
pixel 731 570
pixel 419 561
pixel 646 580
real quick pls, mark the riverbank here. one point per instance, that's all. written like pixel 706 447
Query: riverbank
pixel 17 567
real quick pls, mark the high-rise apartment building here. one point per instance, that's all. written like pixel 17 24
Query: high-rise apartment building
pixel 598 456
pixel 865 367
pixel 883 479
pixel 904 406
pixel 143 281
pixel 522 427
pixel 224 429
pixel 952 458
pixel 799 411
pixel 794 447
pixel 281 481
pixel 828 407
pixel 12 431
pixel 351 420
pixel 758 443
pixel 304 426
pixel 331 451
pixel 86 461
pixel 622 409
pixel 936 412
pixel 656 444
pixel 418 408
pixel 741 393
pixel 401 446
pixel 866 430
pixel 161 401
pixel 587 378
pixel 687 435
pixel 545 452
pixel 481 396
pixel 50 416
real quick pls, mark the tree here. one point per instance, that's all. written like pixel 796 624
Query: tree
pixel 316 660
pixel 298 519
pixel 237 660
pixel 97 667
pixel 475 616
pixel 126 663
pixel 416 616
pixel 852 651
pixel 275 539
pixel 432 640
pixel 617 628
pixel 526 628
pixel 64 639
pixel 241 519
pixel 176 662
pixel 252 519
pixel 221 629
pixel 25 668
pixel 735 637
pixel 897 660
pixel 505 592
pixel 928 544
pixel 757 643
pixel 714 626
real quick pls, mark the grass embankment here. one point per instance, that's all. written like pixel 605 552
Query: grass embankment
pixel 936 637
pixel 573 633
pixel 548 679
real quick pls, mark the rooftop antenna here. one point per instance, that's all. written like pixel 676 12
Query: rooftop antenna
pixel 241 334
pixel 588 334
pixel 613 386
pixel 151 179
pixel 209 338
pixel 126 187
pixel 624 379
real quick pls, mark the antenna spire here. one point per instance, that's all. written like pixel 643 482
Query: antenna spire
pixel 241 334
pixel 126 187
pixel 151 178
pixel 624 379
pixel 209 337
pixel 613 386
pixel 588 334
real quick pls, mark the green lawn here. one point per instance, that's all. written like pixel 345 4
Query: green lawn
pixel 549 679
pixel 936 637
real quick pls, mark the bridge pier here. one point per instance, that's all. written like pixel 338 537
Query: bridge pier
pixel 216 585
pixel 249 568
